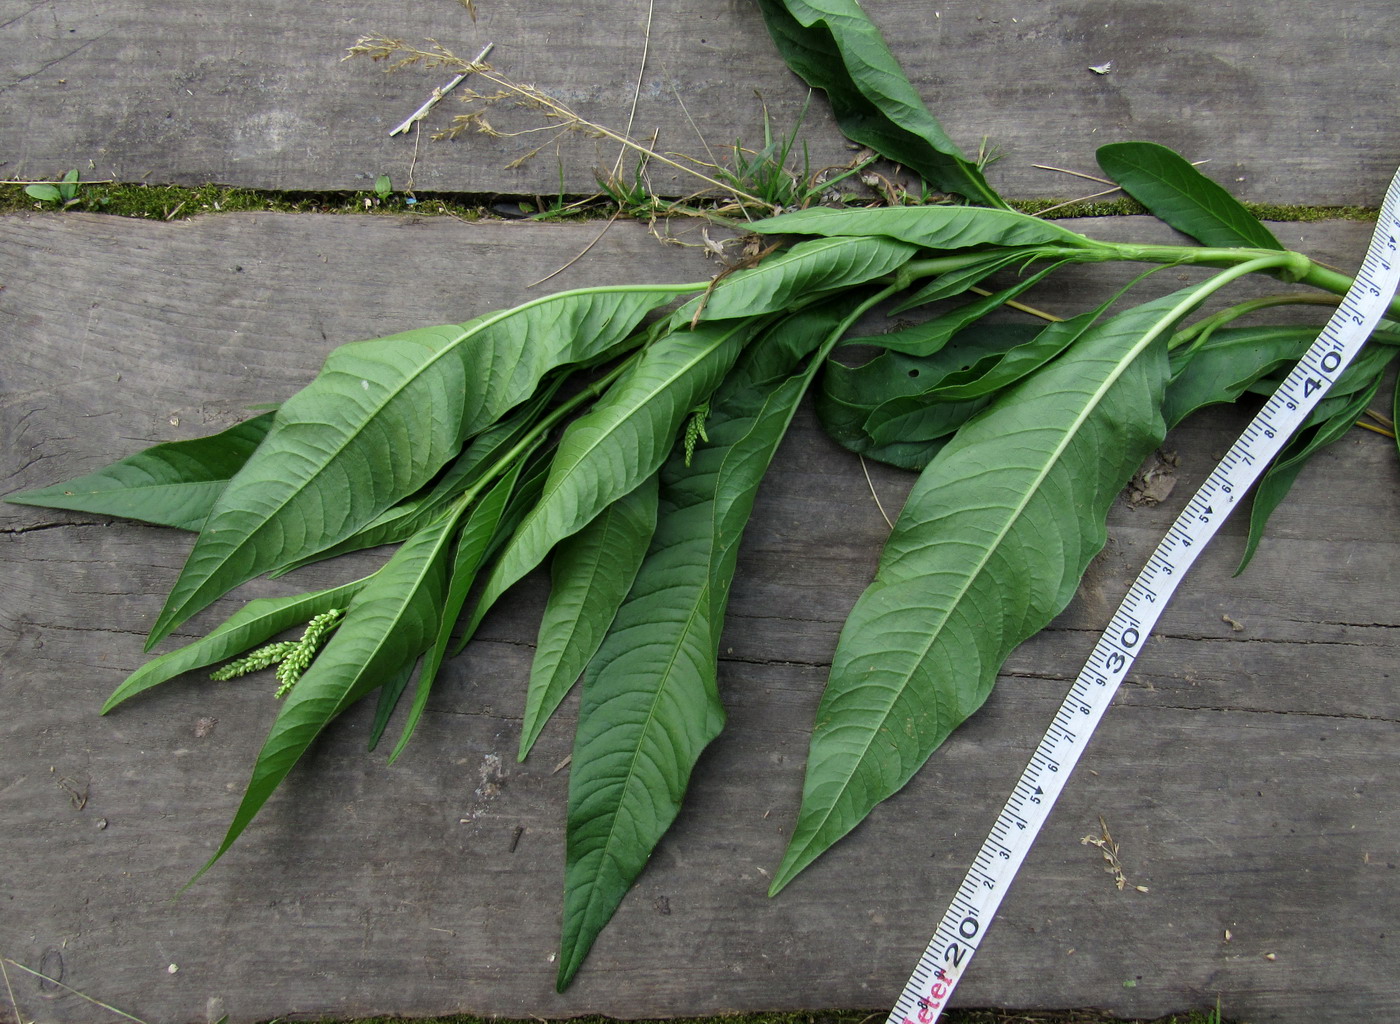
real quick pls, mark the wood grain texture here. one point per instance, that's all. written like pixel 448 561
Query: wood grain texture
pixel 1248 775
pixel 1290 101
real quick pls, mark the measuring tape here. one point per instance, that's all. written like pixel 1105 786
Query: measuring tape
pixel 985 885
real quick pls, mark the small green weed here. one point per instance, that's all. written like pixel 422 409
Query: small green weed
pixel 62 194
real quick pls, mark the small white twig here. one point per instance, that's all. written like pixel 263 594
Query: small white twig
pixel 1066 170
pixel 1081 199
pixel 871 484
pixel 438 94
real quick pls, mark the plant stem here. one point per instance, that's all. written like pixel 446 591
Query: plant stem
pixel 1198 333
pixel 1294 267
pixel 915 270
pixel 537 433
pixel 839 331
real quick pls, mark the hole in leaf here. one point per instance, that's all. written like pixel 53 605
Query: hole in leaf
pixel 913 373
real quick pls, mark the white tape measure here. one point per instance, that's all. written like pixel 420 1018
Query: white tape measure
pixel 987 881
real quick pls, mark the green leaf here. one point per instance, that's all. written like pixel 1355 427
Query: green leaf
pixel 1331 420
pixel 1395 414
pixel 994 372
pixel 854 400
pixel 1228 363
pixel 389 695
pixel 793 277
pixel 467 470
pixel 592 572
pixel 172 484
pixel 928 337
pixel 1177 193
pixel 44 193
pixel 989 547
pixel 68 190
pixel 621 441
pixel 833 46
pixel 650 699
pixel 257 621
pixel 379 421
pixel 389 623
pixel 928 227
pixel 954 282
pixel 472 546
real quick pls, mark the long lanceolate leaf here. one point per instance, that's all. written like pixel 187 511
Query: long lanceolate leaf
pixel 794 277
pixel 172 484
pixel 833 46
pixel 477 460
pixel 378 422
pixel 990 546
pixel 1225 366
pixel 620 442
pixel 884 402
pixel 929 227
pixel 256 621
pixel 472 546
pixel 1331 420
pixel 1167 184
pixel 390 622
pixel 592 572
pixel 650 699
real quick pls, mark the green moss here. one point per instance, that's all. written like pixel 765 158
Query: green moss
pixel 176 202
pixel 860 1017
pixel 1125 207
pixel 1272 211
pixel 1059 209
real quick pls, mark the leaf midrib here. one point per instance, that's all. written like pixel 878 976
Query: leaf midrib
pixel 701 601
pixel 1019 510
pixel 605 433
pixel 482 324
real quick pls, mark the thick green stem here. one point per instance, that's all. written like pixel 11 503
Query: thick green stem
pixel 1296 268
pixel 1198 333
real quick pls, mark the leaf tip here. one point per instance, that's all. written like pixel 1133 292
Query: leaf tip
pixel 568 967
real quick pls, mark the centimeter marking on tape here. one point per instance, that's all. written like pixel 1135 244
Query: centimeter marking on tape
pixel 985 885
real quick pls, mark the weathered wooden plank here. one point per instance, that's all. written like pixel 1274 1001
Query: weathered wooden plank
pixel 1247 775
pixel 1290 101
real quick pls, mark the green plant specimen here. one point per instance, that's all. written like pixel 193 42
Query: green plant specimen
pixel 61 195
pixel 623 432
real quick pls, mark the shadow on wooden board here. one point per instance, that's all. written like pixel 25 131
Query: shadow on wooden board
pixel 1246 771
